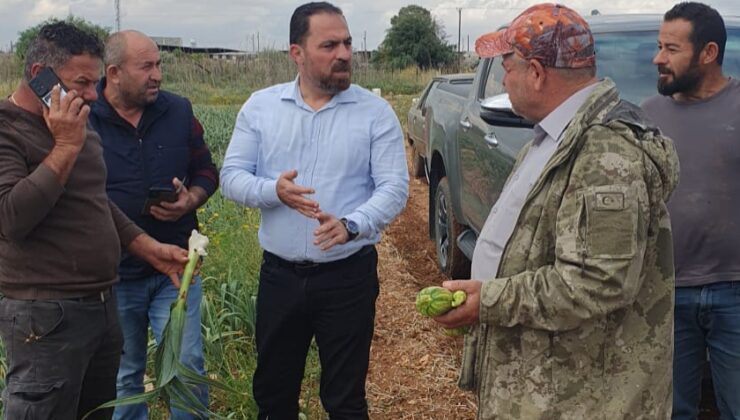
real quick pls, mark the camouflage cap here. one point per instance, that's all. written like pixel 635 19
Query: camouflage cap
pixel 554 34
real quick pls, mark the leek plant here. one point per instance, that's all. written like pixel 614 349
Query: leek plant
pixel 174 382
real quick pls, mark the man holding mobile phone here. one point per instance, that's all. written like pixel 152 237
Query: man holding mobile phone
pixel 61 239
pixel 153 145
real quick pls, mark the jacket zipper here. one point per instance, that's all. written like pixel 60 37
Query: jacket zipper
pixel 146 181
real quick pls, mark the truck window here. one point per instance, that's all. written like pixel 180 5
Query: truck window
pixel 494 77
pixel 457 87
pixel 423 99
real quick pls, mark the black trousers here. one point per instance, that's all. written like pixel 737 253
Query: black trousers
pixel 334 302
pixel 62 357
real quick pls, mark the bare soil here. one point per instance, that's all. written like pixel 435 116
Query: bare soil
pixel 413 365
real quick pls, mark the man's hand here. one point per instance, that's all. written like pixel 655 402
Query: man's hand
pixel 187 201
pixel 292 195
pixel 165 258
pixel 67 122
pixel 469 312
pixel 331 231
pixel 67 119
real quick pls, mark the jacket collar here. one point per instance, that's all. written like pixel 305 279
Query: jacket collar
pixel 103 109
pixel 602 97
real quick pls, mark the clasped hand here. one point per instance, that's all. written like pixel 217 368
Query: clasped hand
pixel 331 231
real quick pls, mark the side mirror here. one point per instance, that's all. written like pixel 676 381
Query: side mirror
pixel 414 102
pixel 497 110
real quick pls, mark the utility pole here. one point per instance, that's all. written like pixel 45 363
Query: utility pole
pixel 117 4
pixel 459 27
pixel 258 42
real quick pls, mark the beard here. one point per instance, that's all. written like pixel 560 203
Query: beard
pixel 686 82
pixel 333 83
pixel 140 98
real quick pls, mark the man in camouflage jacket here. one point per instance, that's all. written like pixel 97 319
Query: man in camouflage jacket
pixel 572 315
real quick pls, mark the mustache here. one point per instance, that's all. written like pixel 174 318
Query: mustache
pixel 341 66
pixel 664 70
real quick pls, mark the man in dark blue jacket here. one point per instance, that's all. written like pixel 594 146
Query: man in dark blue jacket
pixel 159 172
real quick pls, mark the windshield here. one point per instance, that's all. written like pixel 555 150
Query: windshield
pixel 627 58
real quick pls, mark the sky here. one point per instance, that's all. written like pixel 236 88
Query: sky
pixel 252 24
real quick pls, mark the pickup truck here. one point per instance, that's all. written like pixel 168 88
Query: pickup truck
pixel 416 127
pixel 471 139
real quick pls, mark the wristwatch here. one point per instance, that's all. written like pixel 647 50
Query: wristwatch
pixel 351 227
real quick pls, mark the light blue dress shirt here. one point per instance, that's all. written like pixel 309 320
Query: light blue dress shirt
pixel 350 152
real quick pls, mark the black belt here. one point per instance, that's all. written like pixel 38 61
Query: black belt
pixel 102 297
pixel 316 267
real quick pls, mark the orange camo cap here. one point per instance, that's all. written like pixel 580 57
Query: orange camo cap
pixel 555 35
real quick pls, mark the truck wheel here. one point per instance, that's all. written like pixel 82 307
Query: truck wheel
pixel 451 260
pixel 417 165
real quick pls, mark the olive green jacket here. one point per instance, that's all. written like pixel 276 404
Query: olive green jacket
pixel 578 323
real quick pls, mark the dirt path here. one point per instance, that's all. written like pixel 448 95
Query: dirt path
pixel 413 366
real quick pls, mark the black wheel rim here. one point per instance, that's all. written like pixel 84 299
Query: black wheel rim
pixel 442 232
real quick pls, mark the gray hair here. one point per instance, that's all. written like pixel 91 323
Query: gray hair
pixel 115 47
pixel 56 43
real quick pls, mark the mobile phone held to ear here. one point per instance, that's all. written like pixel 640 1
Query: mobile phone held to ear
pixel 156 196
pixel 44 82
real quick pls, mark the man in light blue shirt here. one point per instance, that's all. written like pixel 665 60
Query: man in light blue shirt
pixel 324 161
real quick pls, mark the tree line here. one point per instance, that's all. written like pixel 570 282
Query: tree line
pixel 415 38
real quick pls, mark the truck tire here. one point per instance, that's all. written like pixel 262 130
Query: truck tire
pixel 450 259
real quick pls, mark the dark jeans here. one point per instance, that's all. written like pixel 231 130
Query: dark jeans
pixel 335 302
pixel 62 357
pixel 707 318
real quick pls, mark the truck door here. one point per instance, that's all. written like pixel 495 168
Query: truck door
pixel 487 153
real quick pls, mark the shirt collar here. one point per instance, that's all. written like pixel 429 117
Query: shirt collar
pixel 555 122
pixel 292 92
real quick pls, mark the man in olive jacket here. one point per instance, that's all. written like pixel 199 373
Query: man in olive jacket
pixel 572 308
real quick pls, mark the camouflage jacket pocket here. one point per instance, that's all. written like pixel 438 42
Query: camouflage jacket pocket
pixel 607 222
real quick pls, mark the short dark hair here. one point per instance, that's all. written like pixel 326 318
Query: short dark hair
pixel 57 42
pixel 301 15
pixel 706 25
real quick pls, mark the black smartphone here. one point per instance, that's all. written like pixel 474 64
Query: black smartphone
pixel 157 195
pixel 44 82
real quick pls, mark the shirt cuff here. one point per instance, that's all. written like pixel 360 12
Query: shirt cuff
pixel 269 193
pixel 490 294
pixel 363 225
pixel 206 183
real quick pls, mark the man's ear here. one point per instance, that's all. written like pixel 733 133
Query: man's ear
pixel 709 53
pixel 112 73
pixel 36 69
pixel 296 53
pixel 537 73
